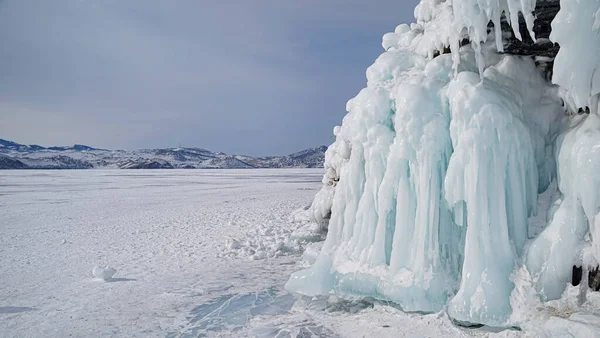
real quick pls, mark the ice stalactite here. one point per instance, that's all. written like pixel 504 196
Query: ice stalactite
pixel 493 177
pixel 393 181
pixel 577 66
pixel 572 235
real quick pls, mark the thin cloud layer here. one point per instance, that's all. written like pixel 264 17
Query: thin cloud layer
pixel 252 77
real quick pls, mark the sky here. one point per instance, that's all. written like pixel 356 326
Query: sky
pixel 254 77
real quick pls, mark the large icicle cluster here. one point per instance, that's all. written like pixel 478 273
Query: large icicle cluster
pixel 437 167
pixel 577 68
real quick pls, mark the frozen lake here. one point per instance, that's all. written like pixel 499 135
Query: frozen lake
pixel 198 253
pixel 162 231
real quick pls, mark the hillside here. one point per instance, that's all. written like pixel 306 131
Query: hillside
pixel 19 156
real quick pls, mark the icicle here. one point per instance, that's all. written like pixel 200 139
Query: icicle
pixel 438 163
pixel 577 65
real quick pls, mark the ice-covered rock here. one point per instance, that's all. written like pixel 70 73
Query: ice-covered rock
pixel 577 66
pixel 573 229
pixel 435 173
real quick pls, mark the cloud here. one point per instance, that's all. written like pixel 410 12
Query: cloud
pixel 255 77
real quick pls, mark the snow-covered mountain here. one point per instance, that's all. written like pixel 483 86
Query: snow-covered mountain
pixel 19 156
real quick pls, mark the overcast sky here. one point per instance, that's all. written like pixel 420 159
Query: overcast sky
pixel 256 77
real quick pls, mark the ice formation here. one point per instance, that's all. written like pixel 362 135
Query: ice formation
pixel 577 68
pixel 274 239
pixel 105 273
pixel 436 168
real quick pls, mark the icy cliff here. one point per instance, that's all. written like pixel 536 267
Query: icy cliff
pixel 431 187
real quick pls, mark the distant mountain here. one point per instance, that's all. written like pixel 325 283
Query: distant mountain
pixel 9 145
pixel 11 163
pixel 314 157
pixel 146 164
pixel 19 156
pixel 76 147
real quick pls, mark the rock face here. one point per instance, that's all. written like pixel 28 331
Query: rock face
pixel 545 12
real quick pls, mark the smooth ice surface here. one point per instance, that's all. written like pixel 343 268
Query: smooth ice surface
pixel 230 312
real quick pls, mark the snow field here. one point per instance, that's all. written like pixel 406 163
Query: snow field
pixel 161 230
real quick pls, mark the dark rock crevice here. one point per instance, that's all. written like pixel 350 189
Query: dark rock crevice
pixel 593 280
pixel 545 12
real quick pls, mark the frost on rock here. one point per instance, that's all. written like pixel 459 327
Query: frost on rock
pixel 433 179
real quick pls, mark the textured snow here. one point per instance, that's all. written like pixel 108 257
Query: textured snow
pixel 162 231
pixel 275 239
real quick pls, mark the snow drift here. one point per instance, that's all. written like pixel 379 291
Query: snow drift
pixel 433 180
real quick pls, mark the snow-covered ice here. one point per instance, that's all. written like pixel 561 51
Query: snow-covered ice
pixel 167 234
pixel 162 230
